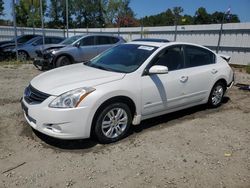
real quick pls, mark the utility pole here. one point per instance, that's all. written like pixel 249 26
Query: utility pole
pixel 41 12
pixel 33 15
pixel 14 22
pixel 67 17
pixel 221 28
pixel 175 30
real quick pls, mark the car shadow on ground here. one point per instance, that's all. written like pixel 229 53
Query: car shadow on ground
pixel 66 144
pixel 182 115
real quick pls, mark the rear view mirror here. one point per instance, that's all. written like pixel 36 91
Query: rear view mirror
pixel 158 69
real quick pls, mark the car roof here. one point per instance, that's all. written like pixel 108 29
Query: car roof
pixel 165 44
pixel 152 40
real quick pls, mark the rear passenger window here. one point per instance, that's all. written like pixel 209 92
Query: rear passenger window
pixel 196 56
pixel 56 40
pixel 172 58
pixel 101 40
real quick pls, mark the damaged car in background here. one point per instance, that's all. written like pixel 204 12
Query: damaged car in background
pixel 27 50
pixel 80 48
pixel 6 47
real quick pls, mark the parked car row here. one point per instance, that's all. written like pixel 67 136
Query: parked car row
pixel 26 46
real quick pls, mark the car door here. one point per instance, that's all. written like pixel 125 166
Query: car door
pixel 86 49
pixel 200 69
pixel 165 91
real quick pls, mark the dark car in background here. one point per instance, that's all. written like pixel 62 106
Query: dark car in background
pixel 28 50
pixel 7 46
pixel 77 49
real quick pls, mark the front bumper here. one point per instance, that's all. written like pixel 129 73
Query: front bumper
pixel 42 64
pixel 71 123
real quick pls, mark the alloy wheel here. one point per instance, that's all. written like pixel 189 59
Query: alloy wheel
pixel 114 122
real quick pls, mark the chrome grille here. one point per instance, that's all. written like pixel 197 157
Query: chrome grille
pixel 33 96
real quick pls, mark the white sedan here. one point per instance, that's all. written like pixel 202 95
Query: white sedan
pixel 124 85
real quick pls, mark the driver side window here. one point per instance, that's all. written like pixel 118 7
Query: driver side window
pixel 88 41
pixel 171 57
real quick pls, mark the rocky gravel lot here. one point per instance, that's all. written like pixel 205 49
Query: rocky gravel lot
pixel 197 147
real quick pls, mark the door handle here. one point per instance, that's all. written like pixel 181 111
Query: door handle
pixel 214 71
pixel 184 79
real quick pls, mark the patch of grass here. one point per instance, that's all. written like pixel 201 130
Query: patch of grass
pixel 14 63
pixel 248 69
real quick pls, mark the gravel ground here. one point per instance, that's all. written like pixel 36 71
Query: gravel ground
pixel 197 147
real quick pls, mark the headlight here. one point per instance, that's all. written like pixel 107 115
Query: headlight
pixel 71 99
pixel 48 51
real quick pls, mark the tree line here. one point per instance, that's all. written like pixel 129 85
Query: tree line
pixel 105 13
pixel 170 17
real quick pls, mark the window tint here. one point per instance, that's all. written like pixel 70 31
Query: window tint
pixel 72 39
pixel 87 41
pixel 55 40
pixel 196 56
pixel 113 40
pixel 38 42
pixel 24 38
pixel 101 40
pixel 47 40
pixel 172 58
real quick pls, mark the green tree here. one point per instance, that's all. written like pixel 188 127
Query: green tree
pixel 119 13
pixel 187 20
pixel 202 17
pixel 1 8
pixel 28 11
pixel 217 17
pixel 57 13
pixel 89 13
pixel 164 18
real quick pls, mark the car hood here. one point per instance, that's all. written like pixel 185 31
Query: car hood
pixel 49 46
pixel 7 45
pixel 5 42
pixel 61 80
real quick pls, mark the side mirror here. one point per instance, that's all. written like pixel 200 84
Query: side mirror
pixel 158 69
pixel 77 44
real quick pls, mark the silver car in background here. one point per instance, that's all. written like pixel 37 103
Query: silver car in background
pixel 82 49
pixel 28 50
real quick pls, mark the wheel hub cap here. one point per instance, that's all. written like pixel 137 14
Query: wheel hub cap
pixel 114 122
pixel 217 95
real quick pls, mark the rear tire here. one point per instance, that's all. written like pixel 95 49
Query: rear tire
pixel 217 94
pixel 63 61
pixel 112 123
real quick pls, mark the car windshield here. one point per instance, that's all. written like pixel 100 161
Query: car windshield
pixel 70 40
pixel 33 40
pixel 123 58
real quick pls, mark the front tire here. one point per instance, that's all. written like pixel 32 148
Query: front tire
pixel 217 94
pixel 63 61
pixel 23 56
pixel 112 123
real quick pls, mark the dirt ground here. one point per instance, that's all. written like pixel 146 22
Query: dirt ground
pixel 197 147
